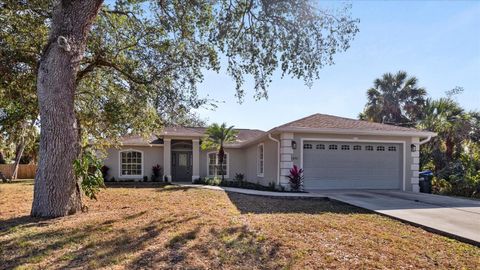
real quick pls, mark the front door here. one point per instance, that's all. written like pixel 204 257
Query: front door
pixel 181 166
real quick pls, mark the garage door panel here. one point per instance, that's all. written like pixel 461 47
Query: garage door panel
pixel 348 184
pixel 348 168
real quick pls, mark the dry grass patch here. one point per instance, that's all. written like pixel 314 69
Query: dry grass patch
pixel 183 228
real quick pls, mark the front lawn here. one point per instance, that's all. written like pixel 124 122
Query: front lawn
pixel 190 228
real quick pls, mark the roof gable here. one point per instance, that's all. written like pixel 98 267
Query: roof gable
pixel 325 121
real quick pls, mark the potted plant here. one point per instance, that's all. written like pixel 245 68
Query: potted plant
pixel 104 171
pixel 157 172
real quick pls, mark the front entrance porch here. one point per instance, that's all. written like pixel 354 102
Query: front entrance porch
pixel 181 160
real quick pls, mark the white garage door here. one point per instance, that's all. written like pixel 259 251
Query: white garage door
pixel 341 165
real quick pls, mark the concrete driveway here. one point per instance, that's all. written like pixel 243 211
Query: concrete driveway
pixel 455 217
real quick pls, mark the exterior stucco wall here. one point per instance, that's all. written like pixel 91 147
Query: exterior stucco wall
pixel 270 157
pixel 151 157
pixel 410 169
pixel 244 160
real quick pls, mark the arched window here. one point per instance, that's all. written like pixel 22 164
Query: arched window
pixel 131 163
pixel 214 165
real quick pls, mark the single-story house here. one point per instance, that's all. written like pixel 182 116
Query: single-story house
pixel 335 153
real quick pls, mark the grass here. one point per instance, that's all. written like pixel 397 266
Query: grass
pixel 166 227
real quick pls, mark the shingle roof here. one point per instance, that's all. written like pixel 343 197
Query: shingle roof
pixel 315 123
pixel 136 139
pixel 325 121
pixel 243 135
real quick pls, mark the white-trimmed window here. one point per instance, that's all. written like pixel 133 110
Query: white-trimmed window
pixel 392 148
pixel 131 163
pixel 345 147
pixel 368 148
pixel 307 146
pixel 320 146
pixel 357 147
pixel 332 147
pixel 260 159
pixel 214 165
pixel 380 148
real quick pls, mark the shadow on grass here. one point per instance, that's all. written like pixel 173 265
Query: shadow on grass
pixel 88 246
pixel 214 248
pixel 285 205
pixel 8 225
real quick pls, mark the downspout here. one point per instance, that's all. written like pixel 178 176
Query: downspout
pixel 278 157
pixel 425 141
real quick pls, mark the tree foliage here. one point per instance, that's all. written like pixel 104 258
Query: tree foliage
pixel 22 36
pixel 454 154
pixel 143 60
pixel 88 171
pixel 450 121
pixel 148 57
pixel 395 99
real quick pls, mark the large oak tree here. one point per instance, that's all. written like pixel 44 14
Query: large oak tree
pixel 111 63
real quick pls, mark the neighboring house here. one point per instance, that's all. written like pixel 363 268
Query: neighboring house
pixel 335 153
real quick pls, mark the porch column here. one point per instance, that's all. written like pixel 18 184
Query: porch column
pixel 195 159
pixel 286 157
pixel 167 159
pixel 414 166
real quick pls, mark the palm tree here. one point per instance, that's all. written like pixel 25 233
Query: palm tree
pixel 450 121
pixel 215 137
pixel 394 99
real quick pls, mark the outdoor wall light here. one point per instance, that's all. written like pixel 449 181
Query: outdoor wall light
pixel 294 144
pixel 413 147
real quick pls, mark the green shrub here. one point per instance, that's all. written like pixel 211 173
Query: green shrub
pixel 88 170
pixel 216 181
pixel 441 186
pixel 239 177
pixel 272 186
pixel 211 181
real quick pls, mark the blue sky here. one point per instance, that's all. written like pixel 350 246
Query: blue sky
pixel 438 42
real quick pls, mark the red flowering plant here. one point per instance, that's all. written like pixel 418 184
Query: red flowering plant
pixel 296 178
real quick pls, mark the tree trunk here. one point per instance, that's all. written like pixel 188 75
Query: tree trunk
pixel 449 145
pixel 2 158
pixel 221 157
pixel 18 157
pixel 56 191
pixel 22 143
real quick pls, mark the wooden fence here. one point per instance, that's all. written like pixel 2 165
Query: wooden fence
pixel 25 171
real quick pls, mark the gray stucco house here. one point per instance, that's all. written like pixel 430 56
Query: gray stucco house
pixel 335 153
